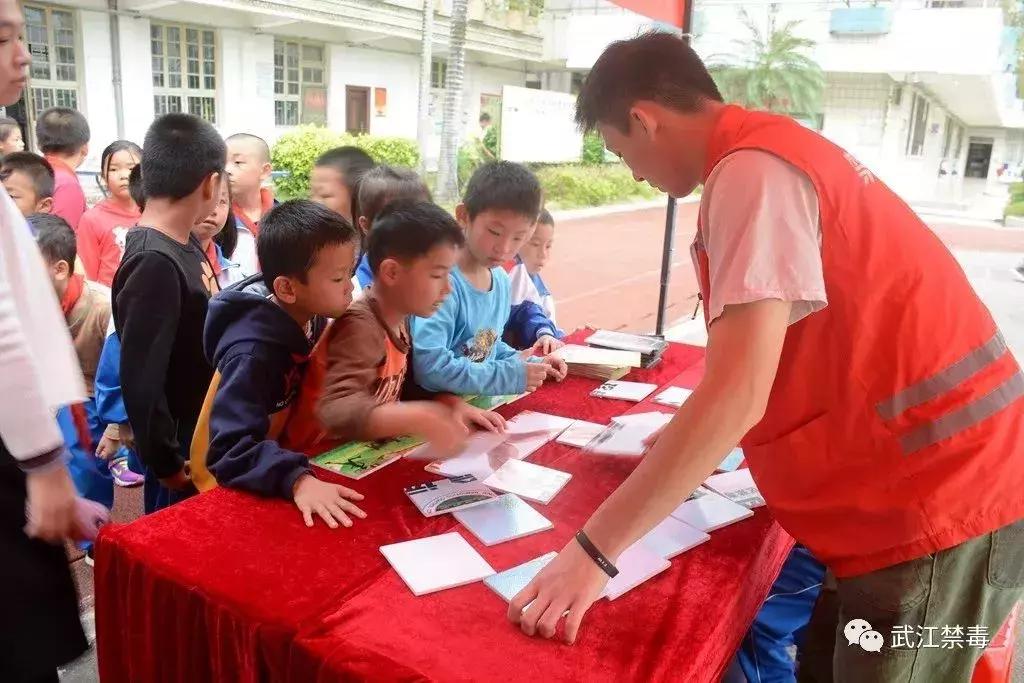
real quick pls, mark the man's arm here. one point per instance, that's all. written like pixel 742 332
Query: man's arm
pixel 744 346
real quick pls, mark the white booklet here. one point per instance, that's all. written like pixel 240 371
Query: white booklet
pixel 508 583
pixel 626 341
pixel 624 391
pixel 708 511
pixel 625 439
pixel 636 564
pixel 588 355
pixel 435 563
pixel 434 498
pixel 530 423
pixel 738 486
pixel 673 396
pixel 671 537
pixel 580 433
pixel 533 482
pixel 654 420
pixel 503 519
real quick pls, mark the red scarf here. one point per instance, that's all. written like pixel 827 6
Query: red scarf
pixel 76 285
pixel 267 203
pixel 211 256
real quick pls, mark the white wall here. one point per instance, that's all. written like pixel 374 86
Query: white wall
pixel 96 96
pixel 136 77
pixel 398 73
pixel 245 83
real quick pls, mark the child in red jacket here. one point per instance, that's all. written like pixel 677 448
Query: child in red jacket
pixel 102 230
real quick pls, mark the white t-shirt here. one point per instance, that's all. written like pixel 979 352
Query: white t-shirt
pixel 761 230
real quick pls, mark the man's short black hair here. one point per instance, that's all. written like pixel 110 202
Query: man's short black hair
pixel 485 118
pixel 408 229
pixel 55 238
pixel 503 185
pixel 352 163
pixel 7 126
pixel 256 140
pixel 545 218
pixel 60 130
pixel 180 152
pixel 291 235
pixel 35 167
pixel 382 185
pixel 655 66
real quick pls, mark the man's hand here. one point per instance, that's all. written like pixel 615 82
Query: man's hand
pixel 536 373
pixel 547 343
pixel 179 481
pixel 471 416
pixel 51 508
pixel 107 448
pixel 127 436
pixel 569 583
pixel 331 502
pixel 558 367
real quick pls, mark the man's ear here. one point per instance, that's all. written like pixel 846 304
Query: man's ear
pixel 44 205
pixel 642 121
pixel 284 289
pixel 462 215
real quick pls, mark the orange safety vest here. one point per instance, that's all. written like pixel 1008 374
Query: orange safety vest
pixel 895 425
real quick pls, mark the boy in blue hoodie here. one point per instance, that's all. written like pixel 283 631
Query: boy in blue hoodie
pixel 459 349
pixel 532 321
pixel 257 335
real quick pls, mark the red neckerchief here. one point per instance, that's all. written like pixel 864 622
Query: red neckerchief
pixel 76 285
pixel 211 256
pixel 266 202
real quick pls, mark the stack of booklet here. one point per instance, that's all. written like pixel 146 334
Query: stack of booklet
pixel 595 363
pixel 650 348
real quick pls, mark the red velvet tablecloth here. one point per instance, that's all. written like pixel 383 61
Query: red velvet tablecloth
pixel 229 587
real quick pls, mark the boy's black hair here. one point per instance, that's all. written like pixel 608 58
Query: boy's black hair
pixel 227 238
pixel 654 66
pixel 291 235
pixel 352 163
pixel 60 130
pixel 408 229
pixel 35 167
pixel 503 185
pixel 181 151
pixel 382 185
pixel 485 117
pixel 135 189
pixel 260 143
pixel 55 238
pixel 7 126
pixel 545 218
pixel 113 148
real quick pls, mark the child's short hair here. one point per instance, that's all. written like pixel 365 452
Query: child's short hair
pixel 181 151
pixel 351 162
pixel 291 235
pixel 35 167
pixel 55 238
pixel 503 185
pixel 545 218
pixel 382 185
pixel 408 229
pixel 135 190
pixel 256 140
pixel 60 130
pixel 7 126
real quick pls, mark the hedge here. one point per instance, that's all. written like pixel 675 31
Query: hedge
pixel 1014 209
pixel 572 186
pixel 297 150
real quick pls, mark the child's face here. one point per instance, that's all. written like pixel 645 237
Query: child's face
pixel 328 287
pixel 246 168
pixel 208 227
pixel 19 185
pixel 535 253
pixel 420 285
pixel 13 143
pixel 494 236
pixel 327 186
pixel 118 170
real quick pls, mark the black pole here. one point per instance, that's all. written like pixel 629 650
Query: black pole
pixel 668 248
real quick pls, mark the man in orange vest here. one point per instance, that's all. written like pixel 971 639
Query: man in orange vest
pixel 877 404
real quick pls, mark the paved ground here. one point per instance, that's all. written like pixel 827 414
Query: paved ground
pixel 606 274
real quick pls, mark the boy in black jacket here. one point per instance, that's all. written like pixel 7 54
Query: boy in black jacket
pixel 258 335
pixel 160 301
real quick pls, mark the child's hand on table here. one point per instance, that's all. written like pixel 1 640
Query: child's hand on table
pixel 441 428
pixel 331 502
pixel 546 344
pixel 557 367
pixel 536 373
pixel 471 416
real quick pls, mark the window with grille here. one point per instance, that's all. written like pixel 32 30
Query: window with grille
pixel 918 126
pixel 438 72
pixel 300 83
pixel 50 37
pixel 184 70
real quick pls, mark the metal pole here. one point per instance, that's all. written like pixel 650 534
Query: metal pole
pixel 668 248
pixel 115 66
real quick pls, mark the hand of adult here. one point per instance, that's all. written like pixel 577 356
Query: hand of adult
pixel 567 587
pixel 50 508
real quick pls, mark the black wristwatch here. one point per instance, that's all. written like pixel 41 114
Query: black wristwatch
pixel 599 559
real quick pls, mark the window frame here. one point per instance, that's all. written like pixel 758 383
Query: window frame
pixel 52 85
pixel 441 64
pixel 915 142
pixel 186 94
pixel 284 97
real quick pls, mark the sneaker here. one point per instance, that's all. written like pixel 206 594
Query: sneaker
pixel 122 474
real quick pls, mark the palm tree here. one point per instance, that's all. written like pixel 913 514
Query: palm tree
pixel 771 70
pixel 451 128
pixel 426 56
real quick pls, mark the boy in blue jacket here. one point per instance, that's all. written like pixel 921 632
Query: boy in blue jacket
pixel 459 349
pixel 258 333
pixel 532 321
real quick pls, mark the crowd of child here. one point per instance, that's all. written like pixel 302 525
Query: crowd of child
pixel 225 337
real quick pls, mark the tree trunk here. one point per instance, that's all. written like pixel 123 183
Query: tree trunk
pixel 423 115
pixel 451 127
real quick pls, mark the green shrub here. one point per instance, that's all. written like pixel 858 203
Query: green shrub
pixel 490 141
pixel 572 186
pixel 1015 209
pixel 295 152
pixel 593 149
pixel 1016 192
